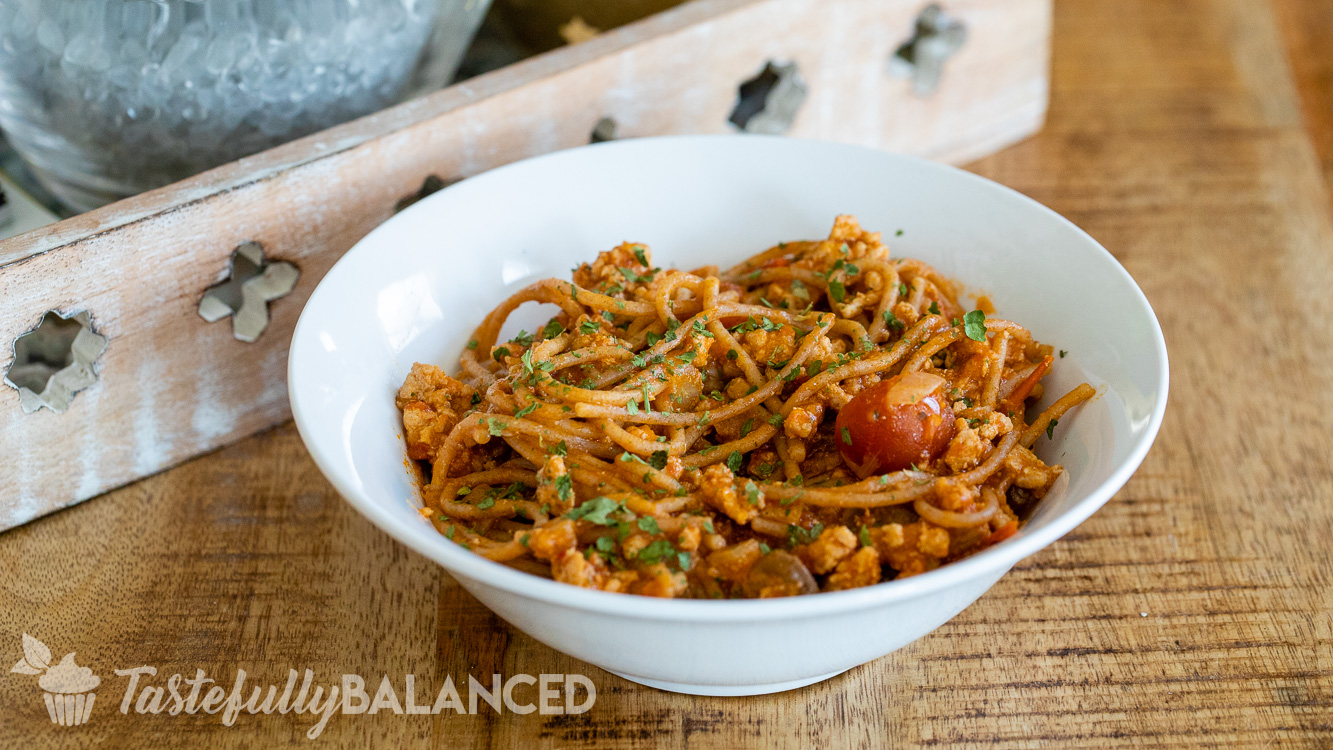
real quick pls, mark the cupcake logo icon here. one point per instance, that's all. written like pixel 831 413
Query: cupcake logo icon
pixel 68 688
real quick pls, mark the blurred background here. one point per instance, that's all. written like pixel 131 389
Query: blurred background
pixel 103 100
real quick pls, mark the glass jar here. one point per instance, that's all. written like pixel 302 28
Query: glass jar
pixel 108 98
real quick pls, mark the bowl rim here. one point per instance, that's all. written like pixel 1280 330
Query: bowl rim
pixel 464 564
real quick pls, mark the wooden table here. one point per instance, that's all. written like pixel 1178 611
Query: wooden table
pixel 1194 138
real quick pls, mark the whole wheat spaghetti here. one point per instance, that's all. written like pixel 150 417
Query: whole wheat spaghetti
pixel 821 417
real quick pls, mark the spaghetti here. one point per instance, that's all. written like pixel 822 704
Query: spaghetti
pixel 820 417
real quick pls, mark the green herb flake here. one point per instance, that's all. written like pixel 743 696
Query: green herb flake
pixel 461 491
pixel 500 353
pixel 974 325
pixel 864 536
pixel 495 426
pixel 560 449
pixel 752 493
pixel 655 552
pixel 658 460
pixel 934 308
pixel 564 487
pixel 1050 429
pixel 589 327
pixel 846 436
pixel 1063 353
pixel 473 344
pixel 596 510
pixel 837 291
pixel 525 411
pixel 487 503
pixel 734 461
pixel 649 524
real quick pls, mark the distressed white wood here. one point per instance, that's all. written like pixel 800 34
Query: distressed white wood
pixel 172 386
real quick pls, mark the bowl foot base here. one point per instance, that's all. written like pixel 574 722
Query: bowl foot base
pixel 728 690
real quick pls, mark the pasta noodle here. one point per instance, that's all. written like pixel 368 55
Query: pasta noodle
pixel 820 417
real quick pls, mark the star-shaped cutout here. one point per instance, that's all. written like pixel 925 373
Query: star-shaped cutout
pixel 252 282
pixel 936 38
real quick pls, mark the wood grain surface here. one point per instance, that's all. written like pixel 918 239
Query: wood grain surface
pixel 1192 611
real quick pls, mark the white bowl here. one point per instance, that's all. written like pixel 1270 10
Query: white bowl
pixel 414 289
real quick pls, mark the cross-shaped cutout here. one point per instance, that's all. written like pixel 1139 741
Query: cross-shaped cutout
pixel 252 282
pixel 768 103
pixel 54 361
pixel 936 38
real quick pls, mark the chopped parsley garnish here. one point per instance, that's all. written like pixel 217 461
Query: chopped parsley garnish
pixel 589 326
pixel 1050 429
pixel 798 289
pixel 596 511
pixel 461 491
pixel 846 436
pixel 734 461
pixel 864 536
pixel 649 525
pixel 560 449
pixel 487 503
pixel 564 487
pixel 1063 353
pixel 934 308
pixel 495 426
pixel 974 325
pixel 732 354
pixel 553 328
pixel 752 493
pixel 775 419
pixel 655 551
pixel 745 428
pixel 523 338
pixel 472 344
pixel 525 411
pixel 797 535
pixel 638 253
pixel 500 353
pixel 658 460
pixel 837 291
pixel 892 321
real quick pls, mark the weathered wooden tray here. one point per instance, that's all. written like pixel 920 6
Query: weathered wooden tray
pixel 166 384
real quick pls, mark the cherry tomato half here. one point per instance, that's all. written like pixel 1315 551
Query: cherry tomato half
pixel 895 423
